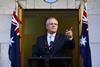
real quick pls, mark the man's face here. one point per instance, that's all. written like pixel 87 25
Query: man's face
pixel 52 25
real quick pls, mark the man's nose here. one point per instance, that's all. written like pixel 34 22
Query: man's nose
pixel 53 25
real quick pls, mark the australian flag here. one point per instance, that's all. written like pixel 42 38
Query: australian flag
pixel 84 40
pixel 14 46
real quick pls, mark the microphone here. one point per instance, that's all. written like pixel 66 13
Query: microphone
pixel 47 50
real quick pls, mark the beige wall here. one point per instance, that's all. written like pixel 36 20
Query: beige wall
pixel 94 30
pixel 6 7
pixel 63 4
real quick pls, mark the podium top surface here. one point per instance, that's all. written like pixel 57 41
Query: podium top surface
pixel 37 58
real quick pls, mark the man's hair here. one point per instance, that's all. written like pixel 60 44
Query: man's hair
pixel 47 21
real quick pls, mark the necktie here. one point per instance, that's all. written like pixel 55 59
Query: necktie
pixel 51 42
pixel 50 39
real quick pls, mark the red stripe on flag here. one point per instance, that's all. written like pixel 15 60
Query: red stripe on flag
pixel 85 14
pixel 17 19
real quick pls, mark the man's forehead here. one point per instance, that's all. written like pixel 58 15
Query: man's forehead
pixel 53 20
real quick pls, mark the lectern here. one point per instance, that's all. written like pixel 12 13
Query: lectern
pixel 50 62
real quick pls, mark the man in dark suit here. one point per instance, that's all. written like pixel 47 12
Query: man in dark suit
pixel 53 44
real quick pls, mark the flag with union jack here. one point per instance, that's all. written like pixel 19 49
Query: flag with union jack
pixel 14 46
pixel 84 39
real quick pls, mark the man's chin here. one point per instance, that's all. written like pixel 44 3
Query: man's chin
pixel 53 32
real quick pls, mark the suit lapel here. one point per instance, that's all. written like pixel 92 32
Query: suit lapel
pixel 56 38
pixel 46 42
pixel 45 38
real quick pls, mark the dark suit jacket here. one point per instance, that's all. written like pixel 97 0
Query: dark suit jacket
pixel 60 44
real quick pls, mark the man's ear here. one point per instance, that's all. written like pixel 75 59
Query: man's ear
pixel 46 26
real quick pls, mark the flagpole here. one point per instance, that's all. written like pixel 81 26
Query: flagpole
pixel 80 16
pixel 17 6
pixel 80 26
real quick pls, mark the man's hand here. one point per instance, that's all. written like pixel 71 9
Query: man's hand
pixel 69 33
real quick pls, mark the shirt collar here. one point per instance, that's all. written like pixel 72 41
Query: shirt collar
pixel 48 34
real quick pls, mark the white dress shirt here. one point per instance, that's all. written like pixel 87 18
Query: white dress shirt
pixel 50 37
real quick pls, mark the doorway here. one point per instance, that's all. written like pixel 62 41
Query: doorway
pixel 34 26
